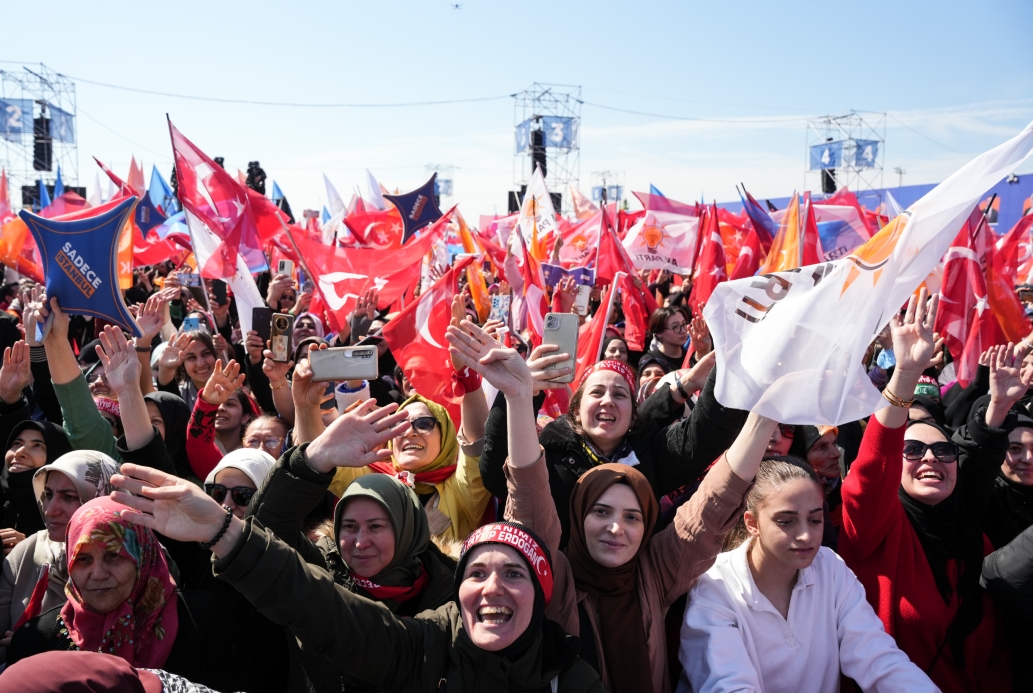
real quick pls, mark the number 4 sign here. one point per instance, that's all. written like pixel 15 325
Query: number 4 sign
pixel 866 153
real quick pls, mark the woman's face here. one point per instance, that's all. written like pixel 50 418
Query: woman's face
pixel 366 537
pixel 157 420
pixel 614 527
pixel 789 523
pixel 199 362
pixel 824 456
pixel 1018 461
pixel 266 434
pixel 675 329
pixel 616 350
pixel 28 451
pixel 231 478
pixel 605 411
pixel 417 449
pixel 496 596
pixel 781 440
pixel 289 298
pixel 304 327
pixel 104 579
pixel 928 480
pixel 60 501
pixel 653 371
pixel 229 416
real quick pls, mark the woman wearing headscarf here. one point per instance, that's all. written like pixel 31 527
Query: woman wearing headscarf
pixel 495 636
pixel 912 505
pixel 1010 512
pixel 169 415
pixel 816 445
pixel 615 580
pixel 30 445
pixel 123 601
pixel 380 549
pixel 60 488
pixel 90 672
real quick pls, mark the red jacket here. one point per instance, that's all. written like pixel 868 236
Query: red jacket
pixel 879 544
pixel 202 452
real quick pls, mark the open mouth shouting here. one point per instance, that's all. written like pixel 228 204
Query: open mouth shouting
pixel 494 615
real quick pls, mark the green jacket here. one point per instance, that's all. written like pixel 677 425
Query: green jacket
pixel 409 655
pixel 86 428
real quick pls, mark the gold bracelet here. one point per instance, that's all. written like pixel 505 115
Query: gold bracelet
pixel 897 401
pixel 278 387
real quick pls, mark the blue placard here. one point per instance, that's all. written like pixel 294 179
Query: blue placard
pixel 523 136
pixel 559 132
pixel 417 208
pixel 443 186
pixel 826 155
pixel 866 154
pixel 15 118
pixel 62 125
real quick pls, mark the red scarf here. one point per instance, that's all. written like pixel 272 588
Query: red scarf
pixel 435 476
pixel 402 593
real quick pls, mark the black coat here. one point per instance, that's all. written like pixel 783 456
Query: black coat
pixel 206 651
pixel 290 491
pixel 1008 577
pixel 669 456
pixel 1009 512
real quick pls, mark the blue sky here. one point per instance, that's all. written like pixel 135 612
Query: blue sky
pixel 954 76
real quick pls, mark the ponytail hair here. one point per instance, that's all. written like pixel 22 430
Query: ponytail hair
pixel 774 472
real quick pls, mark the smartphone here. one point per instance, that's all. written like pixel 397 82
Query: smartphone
pixel 191 324
pixel 280 342
pixel 285 267
pixel 562 329
pixel 188 279
pixel 584 293
pixel 345 363
pixel 219 291
pixel 262 322
pixel 500 308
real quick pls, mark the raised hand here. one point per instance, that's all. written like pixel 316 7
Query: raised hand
pixel 699 333
pixel 693 379
pixel 1007 384
pixel 474 348
pixel 277 287
pixel 563 297
pixel 539 360
pixel 223 383
pixel 353 439
pixel 41 310
pixel 913 341
pixel 167 504
pixel 254 346
pixel 30 314
pixel 172 357
pixel 494 329
pixel 276 371
pixel 305 392
pixel 505 289
pixel 16 373
pixel 221 345
pixel 151 315
pixel 121 366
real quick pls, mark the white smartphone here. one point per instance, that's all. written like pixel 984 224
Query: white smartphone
pixel 562 329
pixel 285 267
pixel 345 363
pixel 584 293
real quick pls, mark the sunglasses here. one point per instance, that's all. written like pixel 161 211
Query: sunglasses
pixel 787 430
pixel 944 452
pixel 241 495
pixel 424 424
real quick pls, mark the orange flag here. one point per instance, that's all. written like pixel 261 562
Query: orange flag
pixel 786 248
pixel 474 278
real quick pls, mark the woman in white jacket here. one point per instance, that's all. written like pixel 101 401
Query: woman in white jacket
pixel 782 613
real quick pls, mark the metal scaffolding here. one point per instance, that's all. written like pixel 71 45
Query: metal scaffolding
pixel 553 111
pixel 37 131
pixel 848 148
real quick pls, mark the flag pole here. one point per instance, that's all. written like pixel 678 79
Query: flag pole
pixel 609 309
pixel 301 258
pixel 982 218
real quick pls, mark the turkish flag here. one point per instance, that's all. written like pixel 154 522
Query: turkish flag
pixel 750 256
pixel 1002 277
pixel 590 341
pixel 376 229
pixel 711 263
pixel 417 340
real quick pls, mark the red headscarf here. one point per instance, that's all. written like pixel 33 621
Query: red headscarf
pixel 142 629
pixel 619 367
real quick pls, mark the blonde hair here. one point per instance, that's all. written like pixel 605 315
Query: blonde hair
pixel 773 474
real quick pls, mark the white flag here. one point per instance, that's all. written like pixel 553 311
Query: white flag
pixel 376 195
pixel 333 198
pixel 789 344
pixel 536 209
pixel 663 240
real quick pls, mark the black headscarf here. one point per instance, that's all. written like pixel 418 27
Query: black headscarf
pixel 176 415
pixel 20 510
pixel 934 408
pixel 947 531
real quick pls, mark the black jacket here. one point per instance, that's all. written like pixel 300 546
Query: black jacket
pixel 428 653
pixel 1008 577
pixel 290 491
pixel 1009 512
pixel 669 456
pixel 206 651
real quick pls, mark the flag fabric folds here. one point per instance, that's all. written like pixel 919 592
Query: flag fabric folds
pixel 790 345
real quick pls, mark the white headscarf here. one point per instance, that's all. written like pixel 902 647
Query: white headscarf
pixel 255 463
pixel 88 470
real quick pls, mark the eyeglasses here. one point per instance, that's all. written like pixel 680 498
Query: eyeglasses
pixel 424 424
pixel 271 444
pixel 680 327
pixel 944 451
pixel 787 430
pixel 241 495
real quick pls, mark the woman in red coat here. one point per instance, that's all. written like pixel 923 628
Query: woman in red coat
pixel 911 508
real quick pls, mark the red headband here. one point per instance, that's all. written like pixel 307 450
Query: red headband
pixel 108 405
pixel 507 534
pixel 619 367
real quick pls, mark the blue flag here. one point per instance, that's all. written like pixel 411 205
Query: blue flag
pixel 161 194
pixel 326 216
pixel 59 187
pixel 653 190
pixel 44 196
pixel 418 208
pixel 277 193
pixel 80 260
pixel 554 273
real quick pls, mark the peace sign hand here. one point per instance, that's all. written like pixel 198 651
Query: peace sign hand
pixel 223 383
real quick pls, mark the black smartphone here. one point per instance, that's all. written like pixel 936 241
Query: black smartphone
pixel 219 291
pixel 262 322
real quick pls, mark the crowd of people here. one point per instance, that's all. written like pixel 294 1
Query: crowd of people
pixel 183 512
